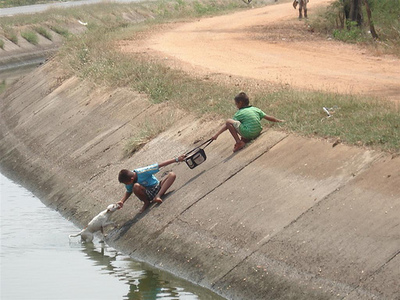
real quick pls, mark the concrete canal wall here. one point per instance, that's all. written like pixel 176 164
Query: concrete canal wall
pixel 286 218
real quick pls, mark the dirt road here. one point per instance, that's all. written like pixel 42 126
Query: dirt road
pixel 270 44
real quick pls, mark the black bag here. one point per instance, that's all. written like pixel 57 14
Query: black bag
pixel 197 156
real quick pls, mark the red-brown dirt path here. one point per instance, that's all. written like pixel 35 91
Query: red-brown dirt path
pixel 270 44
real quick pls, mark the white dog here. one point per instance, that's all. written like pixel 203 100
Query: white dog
pixel 97 224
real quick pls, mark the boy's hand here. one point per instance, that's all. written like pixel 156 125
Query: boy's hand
pixel 182 157
pixel 120 204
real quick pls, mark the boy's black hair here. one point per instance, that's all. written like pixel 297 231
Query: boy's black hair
pixel 242 97
pixel 124 176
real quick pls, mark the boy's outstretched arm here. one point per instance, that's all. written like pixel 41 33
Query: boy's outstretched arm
pixel 272 119
pixel 124 198
pixel 168 162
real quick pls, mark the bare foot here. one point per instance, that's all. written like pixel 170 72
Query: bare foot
pixel 157 200
pixel 238 146
pixel 144 207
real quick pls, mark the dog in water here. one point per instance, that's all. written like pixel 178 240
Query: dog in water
pixel 98 223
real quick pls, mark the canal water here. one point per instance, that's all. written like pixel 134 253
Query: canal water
pixel 39 261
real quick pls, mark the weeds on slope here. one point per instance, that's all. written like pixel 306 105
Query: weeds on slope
pixel 94 55
pixel 354 120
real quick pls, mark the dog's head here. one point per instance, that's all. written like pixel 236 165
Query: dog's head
pixel 112 207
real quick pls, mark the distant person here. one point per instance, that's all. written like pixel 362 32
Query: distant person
pixel 145 185
pixel 302 7
pixel 246 123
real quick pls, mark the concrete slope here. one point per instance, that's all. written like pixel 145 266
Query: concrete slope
pixel 286 218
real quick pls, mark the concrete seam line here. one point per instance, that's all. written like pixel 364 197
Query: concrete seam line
pixel 301 215
pixel 363 169
pixel 378 269
pixel 266 242
pixel 232 175
pixel 229 177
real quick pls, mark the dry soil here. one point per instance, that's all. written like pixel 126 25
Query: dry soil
pixel 272 45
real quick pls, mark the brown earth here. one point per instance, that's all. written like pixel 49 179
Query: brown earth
pixel 270 44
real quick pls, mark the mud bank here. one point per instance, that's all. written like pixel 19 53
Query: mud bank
pixel 285 218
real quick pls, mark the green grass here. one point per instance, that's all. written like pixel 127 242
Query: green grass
pixel 352 33
pixel 43 32
pixel 2 86
pixel 60 30
pixel 30 36
pixel 10 34
pixel 354 119
pixel 146 132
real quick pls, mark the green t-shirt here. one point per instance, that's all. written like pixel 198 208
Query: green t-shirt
pixel 250 119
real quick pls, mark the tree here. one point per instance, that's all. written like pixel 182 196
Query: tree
pixel 355 13
pixel 370 22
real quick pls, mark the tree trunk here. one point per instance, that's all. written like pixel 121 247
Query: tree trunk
pixel 370 22
pixel 356 12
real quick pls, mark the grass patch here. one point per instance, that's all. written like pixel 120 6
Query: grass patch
pixel 146 132
pixel 354 120
pixel 10 34
pixel 2 86
pixel 352 33
pixel 43 32
pixel 60 30
pixel 30 36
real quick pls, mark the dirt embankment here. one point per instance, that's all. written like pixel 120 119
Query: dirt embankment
pixel 270 44
pixel 285 218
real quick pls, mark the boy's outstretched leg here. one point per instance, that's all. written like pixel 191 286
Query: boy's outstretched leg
pixel 229 126
pixel 165 185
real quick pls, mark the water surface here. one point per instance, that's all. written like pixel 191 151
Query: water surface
pixel 39 261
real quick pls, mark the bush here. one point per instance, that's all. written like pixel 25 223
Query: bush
pixel 386 18
pixel 352 33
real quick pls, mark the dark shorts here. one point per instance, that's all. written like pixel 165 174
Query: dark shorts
pixel 151 191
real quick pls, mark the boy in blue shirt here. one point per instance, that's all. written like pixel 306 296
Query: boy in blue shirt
pixel 145 185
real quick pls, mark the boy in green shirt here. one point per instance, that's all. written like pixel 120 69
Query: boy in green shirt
pixel 246 122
